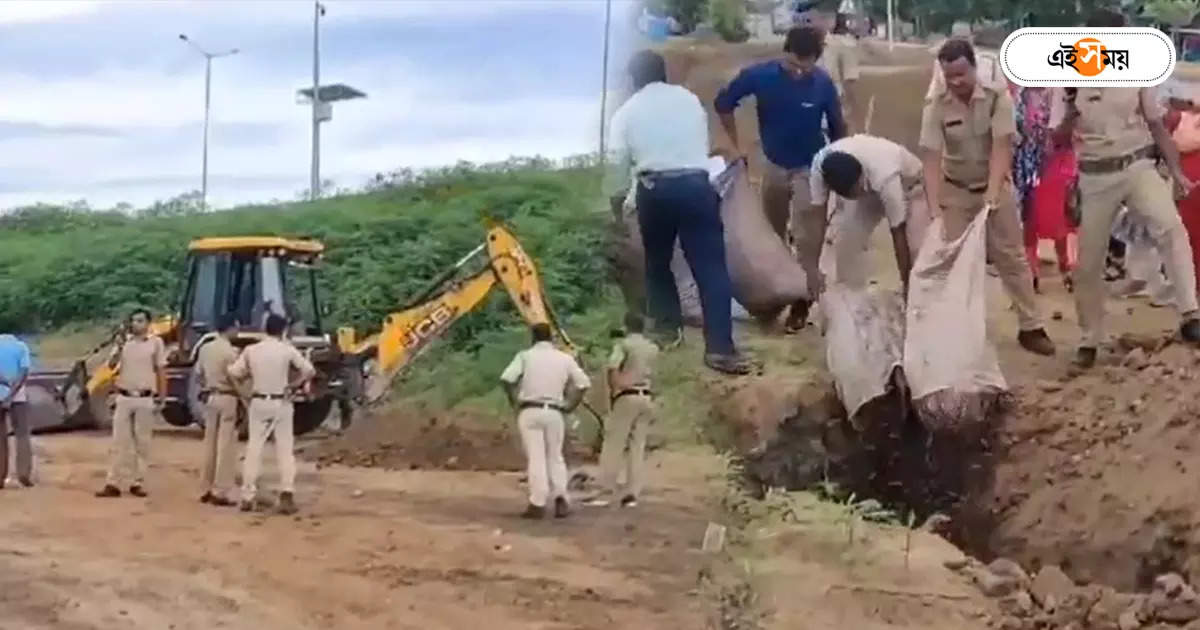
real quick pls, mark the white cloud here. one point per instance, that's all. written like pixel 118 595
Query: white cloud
pixel 415 114
pixel 26 11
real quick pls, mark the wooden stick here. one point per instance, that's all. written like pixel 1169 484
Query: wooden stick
pixel 870 114
pixel 898 593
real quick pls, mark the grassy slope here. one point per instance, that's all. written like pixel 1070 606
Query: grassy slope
pixel 66 270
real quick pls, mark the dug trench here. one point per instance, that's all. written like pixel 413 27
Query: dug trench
pixel 1091 473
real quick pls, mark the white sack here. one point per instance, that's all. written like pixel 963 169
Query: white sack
pixel 864 341
pixel 950 365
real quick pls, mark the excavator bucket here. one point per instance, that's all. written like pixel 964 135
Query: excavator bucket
pixel 58 399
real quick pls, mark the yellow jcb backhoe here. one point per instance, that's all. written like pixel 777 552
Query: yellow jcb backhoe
pixel 254 276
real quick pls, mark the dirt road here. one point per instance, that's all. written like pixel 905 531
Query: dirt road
pixel 369 549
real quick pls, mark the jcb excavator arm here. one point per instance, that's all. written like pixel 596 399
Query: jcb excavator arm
pixel 406 333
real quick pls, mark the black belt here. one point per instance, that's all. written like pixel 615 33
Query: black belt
pixel 636 391
pixel 673 173
pixel 268 396
pixel 540 405
pixel 135 393
pixel 971 188
pixel 1107 165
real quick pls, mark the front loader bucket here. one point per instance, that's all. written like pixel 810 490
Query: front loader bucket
pixel 58 400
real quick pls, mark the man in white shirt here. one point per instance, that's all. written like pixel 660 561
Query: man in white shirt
pixel 269 364
pixel 662 133
pixel 536 383
pixel 876 178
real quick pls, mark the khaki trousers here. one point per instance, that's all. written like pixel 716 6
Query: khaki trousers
pixel 787 203
pixel 132 427
pixel 1147 195
pixel 220 439
pixel 16 417
pixel 628 425
pixel 542 433
pixel 1005 245
pixel 267 418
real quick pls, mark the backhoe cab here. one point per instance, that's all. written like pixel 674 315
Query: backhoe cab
pixel 249 277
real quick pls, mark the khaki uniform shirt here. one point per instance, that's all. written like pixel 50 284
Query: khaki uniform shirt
pixel 840 60
pixel 889 169
pixel 139 361
pixel 964 132
pixel 633 358
pixel 542 373
pixel 1112 121
pixel 213 362
pixel 268 365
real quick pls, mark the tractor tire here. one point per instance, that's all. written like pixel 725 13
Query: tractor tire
pixel 310 414
pixel 195 407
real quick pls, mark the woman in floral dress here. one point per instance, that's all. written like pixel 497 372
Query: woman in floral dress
pixel 1044 175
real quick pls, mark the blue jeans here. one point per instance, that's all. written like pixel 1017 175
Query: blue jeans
pixel 685 205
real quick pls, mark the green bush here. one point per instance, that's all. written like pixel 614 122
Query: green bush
pixel 65 265
pixel 728 19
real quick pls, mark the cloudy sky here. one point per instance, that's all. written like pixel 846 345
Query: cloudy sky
pixel 103 102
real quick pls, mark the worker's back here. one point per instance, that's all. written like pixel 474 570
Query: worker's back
pixel 544 373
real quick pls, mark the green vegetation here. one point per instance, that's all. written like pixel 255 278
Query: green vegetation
pixel 71 266
pixel 728 19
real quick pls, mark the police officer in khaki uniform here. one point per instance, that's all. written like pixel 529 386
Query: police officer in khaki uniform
pixel 536 384
pixel 967 135
pixel 1116 132
pixel 268 364
pixel 876 179
pixel 632 414
pixel 841 61
pixel 220 397
pixel 141 387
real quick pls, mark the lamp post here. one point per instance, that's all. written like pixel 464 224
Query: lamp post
pixel 208 57
pixel 314 185
pixel 604 76
pixel 322 98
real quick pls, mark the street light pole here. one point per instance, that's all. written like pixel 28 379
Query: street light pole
pixel 208 57
pixel 204 168
pixel 604 77
pixel 314 186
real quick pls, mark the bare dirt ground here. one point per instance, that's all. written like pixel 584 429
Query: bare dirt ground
pixel 369 549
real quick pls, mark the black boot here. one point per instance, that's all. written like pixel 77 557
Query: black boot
pixel 287 503
pixel 534 512
pixel 1036 341
pixel 1190 330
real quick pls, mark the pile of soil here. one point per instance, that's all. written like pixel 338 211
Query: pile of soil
pixel 1090 473
pixel 1096 472
pixel 421 440
pixel 418 438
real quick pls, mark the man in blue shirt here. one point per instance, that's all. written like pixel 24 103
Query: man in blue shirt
pixel 794 96
pixel 14 370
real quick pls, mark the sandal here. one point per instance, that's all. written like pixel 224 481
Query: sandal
pixel 733 364
pixel 797 318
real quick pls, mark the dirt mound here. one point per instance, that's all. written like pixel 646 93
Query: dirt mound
pixel 1096 473
pixel 420 440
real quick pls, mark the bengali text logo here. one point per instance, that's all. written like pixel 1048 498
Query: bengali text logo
pixel 1088 57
